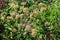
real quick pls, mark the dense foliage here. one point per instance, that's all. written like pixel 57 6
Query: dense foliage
pixel 29 19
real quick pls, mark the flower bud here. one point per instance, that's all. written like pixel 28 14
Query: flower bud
pixel 14 30
pixel 43 8
pixel 35 14
pixel 21 15
pixel 33 34
pixel 28 28
pixel 21 7
pixel 13 5
pixel 41 4
pixel 23 3
pixel 2 14
pixel 3 18
pixel 9 17
pixel 13 14
pixel 25 10
pixel 51 35
pixel 17 16
pixel 46 23
pixel 19 26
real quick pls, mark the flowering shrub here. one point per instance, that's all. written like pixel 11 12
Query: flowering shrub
pixel 29 20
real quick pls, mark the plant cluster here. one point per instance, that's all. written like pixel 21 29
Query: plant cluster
pixel 29 20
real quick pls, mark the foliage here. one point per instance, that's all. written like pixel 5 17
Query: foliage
pixel 30 20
